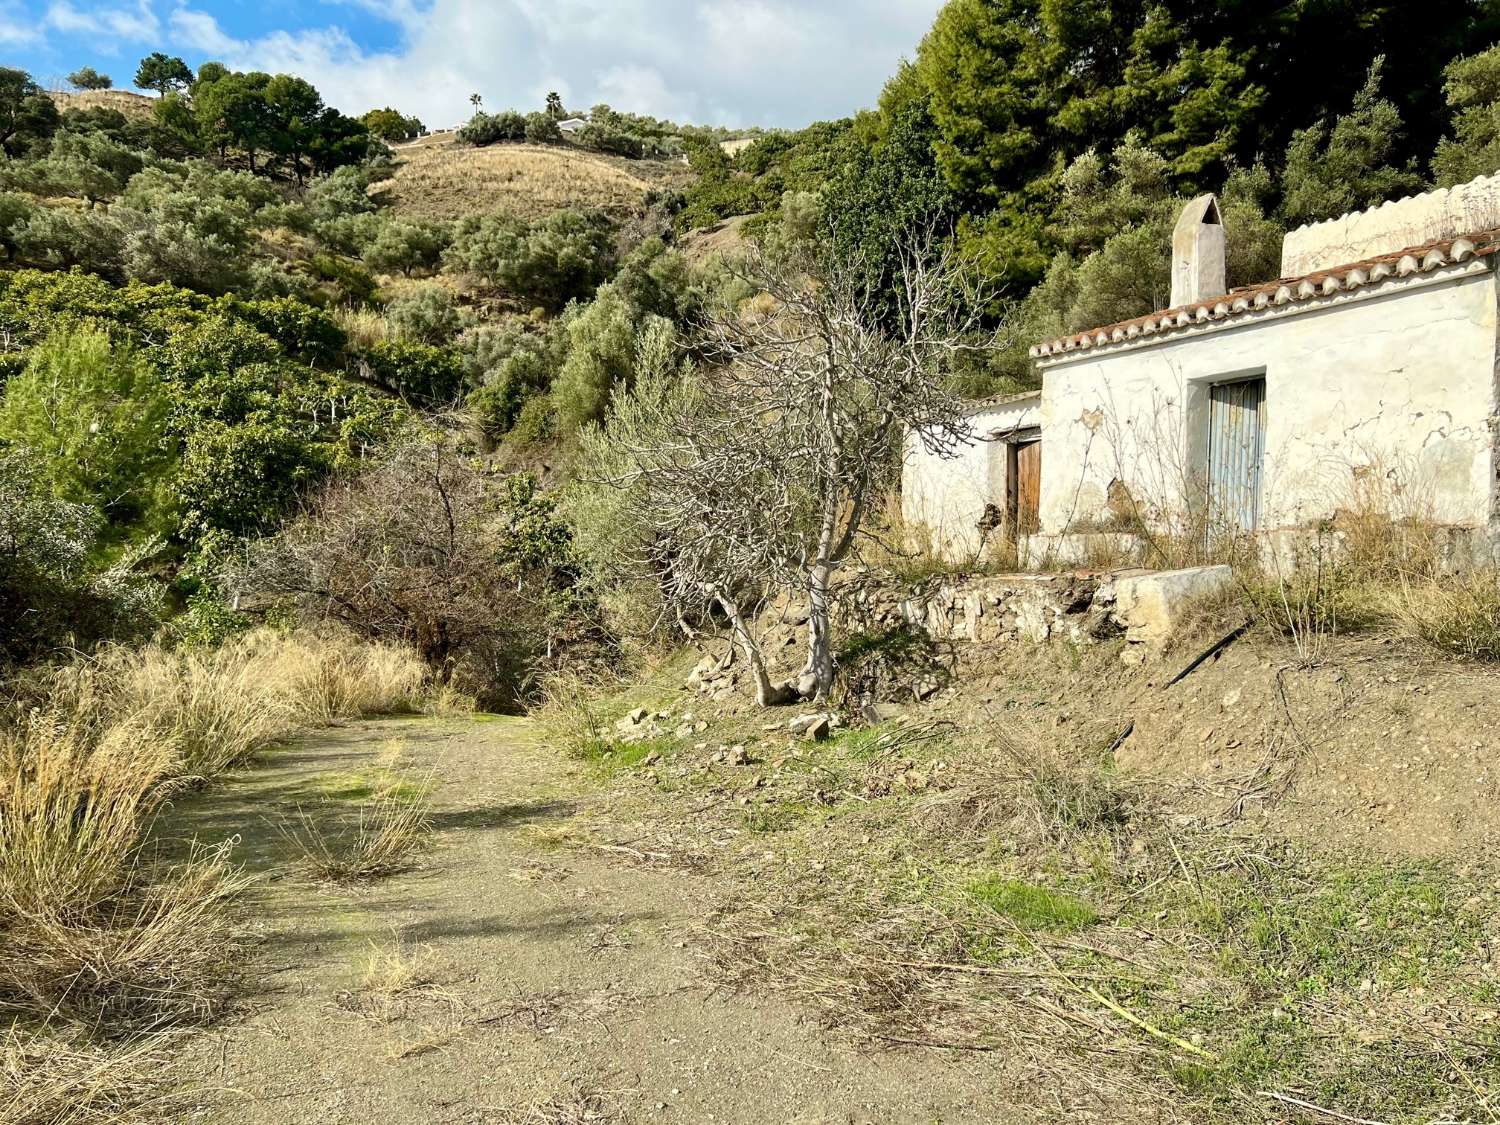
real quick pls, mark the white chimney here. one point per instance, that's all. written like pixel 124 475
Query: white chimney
pixel 1198 253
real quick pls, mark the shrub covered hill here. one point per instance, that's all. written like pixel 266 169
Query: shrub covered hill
pixel 236 322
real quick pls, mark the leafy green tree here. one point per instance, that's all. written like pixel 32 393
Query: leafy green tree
pixel 87 78
pixel 295 111
pixel 162 73
pixel 1333 169
pixel 94 415
pixel 1473 92
pixel 28 117
pixel 390 124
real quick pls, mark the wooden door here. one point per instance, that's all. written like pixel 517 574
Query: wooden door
pixel 1236 449
pixel 1027 493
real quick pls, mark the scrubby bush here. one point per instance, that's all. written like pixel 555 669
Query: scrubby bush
pixel 489 128
pixel 603 344
pixel 405 247
pixel 349 234
pixel 183 254
pixel 62 238
pixel 474 571
pixel 512 367
pixel 426 315
pixel 564 257
pixel 344 191
pixel 355 283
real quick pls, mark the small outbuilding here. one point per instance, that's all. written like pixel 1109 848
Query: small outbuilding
pixel 1370 366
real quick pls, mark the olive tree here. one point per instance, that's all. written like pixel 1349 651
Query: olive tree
pixel 758 473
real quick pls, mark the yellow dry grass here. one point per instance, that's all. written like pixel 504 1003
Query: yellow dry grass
pixel 448 180
pixel 99 935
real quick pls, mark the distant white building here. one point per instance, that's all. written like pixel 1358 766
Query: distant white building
pixel 1264 409
pixel 571 125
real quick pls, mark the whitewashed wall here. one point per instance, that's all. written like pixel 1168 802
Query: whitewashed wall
pixel 1401 379
pixel 945 497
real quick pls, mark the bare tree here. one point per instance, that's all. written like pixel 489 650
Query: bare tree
pixel 758 475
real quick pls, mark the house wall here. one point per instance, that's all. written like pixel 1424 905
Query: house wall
pixel 1398 381
pixel 944 498
pixel 1394 225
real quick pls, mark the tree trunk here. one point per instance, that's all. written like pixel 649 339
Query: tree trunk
pixel 767 694
pixel 816 679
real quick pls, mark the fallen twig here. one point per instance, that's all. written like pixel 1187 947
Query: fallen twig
pixel 1331 1114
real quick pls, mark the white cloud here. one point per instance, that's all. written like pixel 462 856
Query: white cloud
pixel 199 31
pixel 136 23
pixel 766 62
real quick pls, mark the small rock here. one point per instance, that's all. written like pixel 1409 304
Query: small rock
pixel 738 756
pixel 1232 699
pixel 651 759
pixel 700 726
pixel 638 716
pixel 819 730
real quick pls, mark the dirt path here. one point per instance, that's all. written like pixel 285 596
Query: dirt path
pixel 513 976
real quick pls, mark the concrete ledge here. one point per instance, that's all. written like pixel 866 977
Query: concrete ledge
pixel 1151 606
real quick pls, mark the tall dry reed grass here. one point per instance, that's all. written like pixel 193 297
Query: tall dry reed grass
pixel 100 935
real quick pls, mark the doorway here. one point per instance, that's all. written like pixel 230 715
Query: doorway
pixel 1236 450
pixel 1023 492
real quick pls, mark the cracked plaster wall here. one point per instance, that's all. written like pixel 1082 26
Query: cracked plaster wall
pixel 1400 384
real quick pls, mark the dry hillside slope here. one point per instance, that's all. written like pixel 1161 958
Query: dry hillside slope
pixel 447 180
pixel 127 102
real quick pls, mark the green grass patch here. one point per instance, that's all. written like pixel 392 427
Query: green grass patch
pixel 1032 907
pixel 610 757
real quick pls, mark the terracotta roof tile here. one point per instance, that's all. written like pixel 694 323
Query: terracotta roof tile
pixel 1283 291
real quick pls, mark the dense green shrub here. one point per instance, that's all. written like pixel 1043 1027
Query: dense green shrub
pixel 93 415
pixel 424 374
pixel 426 315
pixel 541 128
pixel 402 247
pixel 52 595
pixel 564 257
pixel 489 128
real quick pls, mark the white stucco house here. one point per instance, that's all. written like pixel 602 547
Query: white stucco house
pixel 1260 409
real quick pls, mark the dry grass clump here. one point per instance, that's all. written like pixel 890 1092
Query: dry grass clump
pixel 215 709
pixel 61 1079
pixel 365 327
pixel 382 837
pixel 99 935
pixel 1459 615
pixel 90 929
pixel 448 181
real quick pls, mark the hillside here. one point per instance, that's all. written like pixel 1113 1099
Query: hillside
pixel 442 179
pixel 127 102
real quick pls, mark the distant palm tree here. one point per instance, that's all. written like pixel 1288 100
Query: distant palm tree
pixel 555 108
pixel 475 100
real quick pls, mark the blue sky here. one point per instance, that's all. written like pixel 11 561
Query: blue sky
pixel 730 62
